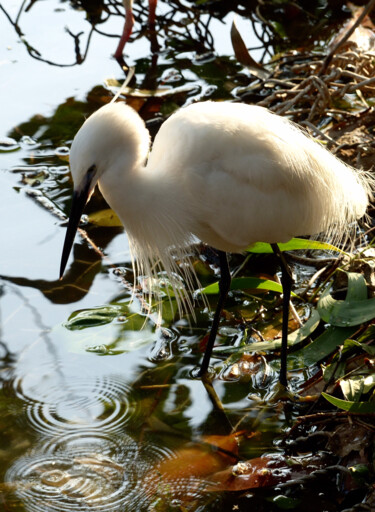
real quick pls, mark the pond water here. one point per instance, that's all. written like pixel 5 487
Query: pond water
pixel 95 398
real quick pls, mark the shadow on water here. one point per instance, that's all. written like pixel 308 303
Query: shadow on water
pixel 99 407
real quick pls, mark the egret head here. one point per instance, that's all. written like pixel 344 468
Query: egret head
pixel 114 139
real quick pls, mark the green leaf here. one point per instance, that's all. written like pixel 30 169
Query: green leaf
pixel 106 218
pixel 368 335
pixel 324 344
pixel 110 339
pixel 361 473
pixel 335 370
pixel 354 310
pixel 284 502
pixel 107 330
pixel 293 245
pixel 352 388
pixel 355 407
pixel 368 382
pixel 169 309
pixel 8 145
pixel 93 317
pixel 246 283
pixel 357 288
pixel 367 348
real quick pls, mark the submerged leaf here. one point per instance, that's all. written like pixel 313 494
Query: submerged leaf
pixel 293 338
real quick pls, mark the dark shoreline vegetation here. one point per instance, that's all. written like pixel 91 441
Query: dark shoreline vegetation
pixel 94 431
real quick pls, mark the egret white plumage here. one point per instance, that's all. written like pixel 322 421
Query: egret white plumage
pixel 129 23
pixel 228 174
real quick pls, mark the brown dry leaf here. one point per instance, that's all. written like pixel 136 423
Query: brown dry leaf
pixel 272 330
pixel 243 56
pixel 182 474
pixel 265 471
pixel 200 459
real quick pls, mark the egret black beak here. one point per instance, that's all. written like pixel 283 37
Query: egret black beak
pixel 80 198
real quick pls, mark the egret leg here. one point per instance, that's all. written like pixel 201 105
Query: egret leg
pixel 286 282
pixel 224 286
pixel 127 30
pixel 152 13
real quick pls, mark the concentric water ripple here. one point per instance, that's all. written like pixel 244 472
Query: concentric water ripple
pixel 90 472
pixel 84 462
pixel 78 404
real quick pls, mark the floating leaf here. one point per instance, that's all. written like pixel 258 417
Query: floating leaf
pixel 293 245
pixel 93 317
pixel 34 178
pixel 108 339
pixel 8 145
pixel 354 407
pixel 354 310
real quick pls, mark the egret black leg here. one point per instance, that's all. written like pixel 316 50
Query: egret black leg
pixel 286 282
pixel 224 286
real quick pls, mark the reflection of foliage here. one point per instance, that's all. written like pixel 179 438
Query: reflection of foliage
pixel 187 27
pixel 176 30
pixel 62 125
pixel 65 121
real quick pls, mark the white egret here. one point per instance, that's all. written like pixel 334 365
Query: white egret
pixel 228 174
pixel 129 23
